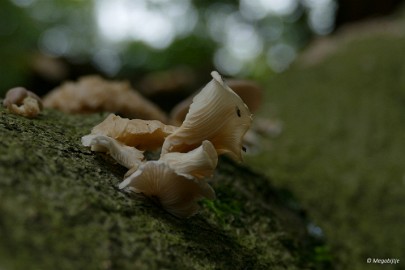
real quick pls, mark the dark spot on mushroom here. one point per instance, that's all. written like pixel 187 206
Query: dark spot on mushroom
pixel 238 111
pixel 244 149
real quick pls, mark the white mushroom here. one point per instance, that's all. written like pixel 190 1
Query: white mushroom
pixel 176 193
pixel 217 114
pixel 127 156
pixel 250 92
pixel 199 163
pixel 141 134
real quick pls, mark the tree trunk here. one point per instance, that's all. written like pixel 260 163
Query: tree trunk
pixel 60 208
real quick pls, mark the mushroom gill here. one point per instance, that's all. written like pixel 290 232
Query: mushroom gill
pixel 250 92
pixel 176 193
pixel 199 163
pixel 217 114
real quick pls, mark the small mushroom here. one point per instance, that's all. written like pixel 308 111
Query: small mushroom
pixel 127 156
pixel 217 114
pixel 199 163
pixel 94 94
pixel 141 134
pixel 250 92
pixel 20 101
pixel 177 194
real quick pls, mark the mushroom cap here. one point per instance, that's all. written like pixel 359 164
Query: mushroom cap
pixel 250 92
pixel 127 156
pixel 199 163
pixel 94 94
pixel 217 114
pixel 141 134
pixel 176 193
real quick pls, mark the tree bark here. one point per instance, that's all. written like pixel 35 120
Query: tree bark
pixel 60 208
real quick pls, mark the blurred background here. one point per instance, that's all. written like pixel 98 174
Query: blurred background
pixel 341 147
pixel 161 45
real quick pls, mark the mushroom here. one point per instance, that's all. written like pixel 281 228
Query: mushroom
pixel 250 92
pixel 141 134
pixel 217 114
pixel 94 94
pixel 20 101
pixel 215 124
pixel 176 193
pixel 127 156
pixel 199 163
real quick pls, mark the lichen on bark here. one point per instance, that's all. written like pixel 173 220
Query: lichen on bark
pixel 61 209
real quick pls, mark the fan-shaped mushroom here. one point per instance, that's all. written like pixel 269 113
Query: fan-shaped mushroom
pixel 176 193
pixel 217 114
pixel 199 163
pixel 250 92
pixel 141 134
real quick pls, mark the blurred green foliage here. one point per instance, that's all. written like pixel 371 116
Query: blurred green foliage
pixel 23 24
pixel 18 35
pixel 70 32
pixel 341 150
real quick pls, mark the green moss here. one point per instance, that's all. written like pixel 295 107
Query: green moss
pixel 61 209
pixel 342 149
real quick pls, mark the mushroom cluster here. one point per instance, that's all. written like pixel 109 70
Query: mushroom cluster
pixel 215 124
pixel 94 94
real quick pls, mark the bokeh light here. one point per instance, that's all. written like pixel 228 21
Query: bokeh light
pixel 157 25
pixel 238 38
pixel 321 15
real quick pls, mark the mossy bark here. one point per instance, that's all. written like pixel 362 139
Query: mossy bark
pixel 342 148
pixel 60 209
